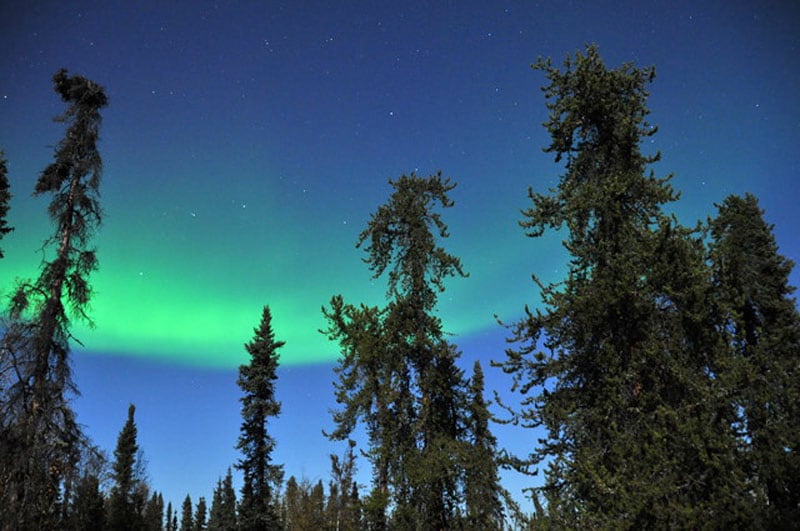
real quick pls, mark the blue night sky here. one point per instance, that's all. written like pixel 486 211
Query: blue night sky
pixel 246 144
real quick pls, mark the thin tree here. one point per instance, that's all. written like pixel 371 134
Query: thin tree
pixel 397 373
pixel 762 328
pixel 5 197
pixel 618 366
pixel 40 439
pixel 343 504
pixel 482 491
pixel 261 478
pixel 168 526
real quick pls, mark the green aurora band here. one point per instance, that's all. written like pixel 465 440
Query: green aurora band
pixel 177 287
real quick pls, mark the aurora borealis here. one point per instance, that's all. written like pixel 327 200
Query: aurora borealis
pixel 245 145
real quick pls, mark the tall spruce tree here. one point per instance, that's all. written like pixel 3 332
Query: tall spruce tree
pixel 123 513
pixel 261 478
pixel 397 374
pixel 762 326
pixel 618 365
pixel 39 437
pixel 5 197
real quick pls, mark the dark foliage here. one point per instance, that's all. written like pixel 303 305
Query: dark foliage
pixel 619 366
pixel 123 506
pixel 343 510
pixel 223 506
pixel 40 441
pixel 5 197
pixel 398 374
pixel 200 515
pixel 262 478
pixel 88 506
pixel 482 491
pixel 154 513
pixel 761 325
pixel 186 514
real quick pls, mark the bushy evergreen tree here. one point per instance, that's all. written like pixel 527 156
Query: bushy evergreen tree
pixel 39 437
pixel 398 373
pixel 5 197
pixel 123 512
pixel 761 324
pixel 618 366
pixel 261 478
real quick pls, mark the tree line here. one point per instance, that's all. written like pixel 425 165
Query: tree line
pixel 662 369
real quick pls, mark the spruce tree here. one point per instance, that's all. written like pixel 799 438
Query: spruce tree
pixel 227 513
pixel 617 367
pixel 168 526
pixel 482 491
pixel 39 437
pixel 187 519
pixel 5 197
pixel 122 504
pixel 300 505
pixel 762 326
pixel 222 516
pixel 261 478
pixel 88 506
pixel 200 515
pixel 216 507
pixel 398 374
pixel 315 507
pixel 154 513
pixel 292 515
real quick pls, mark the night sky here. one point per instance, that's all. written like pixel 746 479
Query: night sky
pixel 246 144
